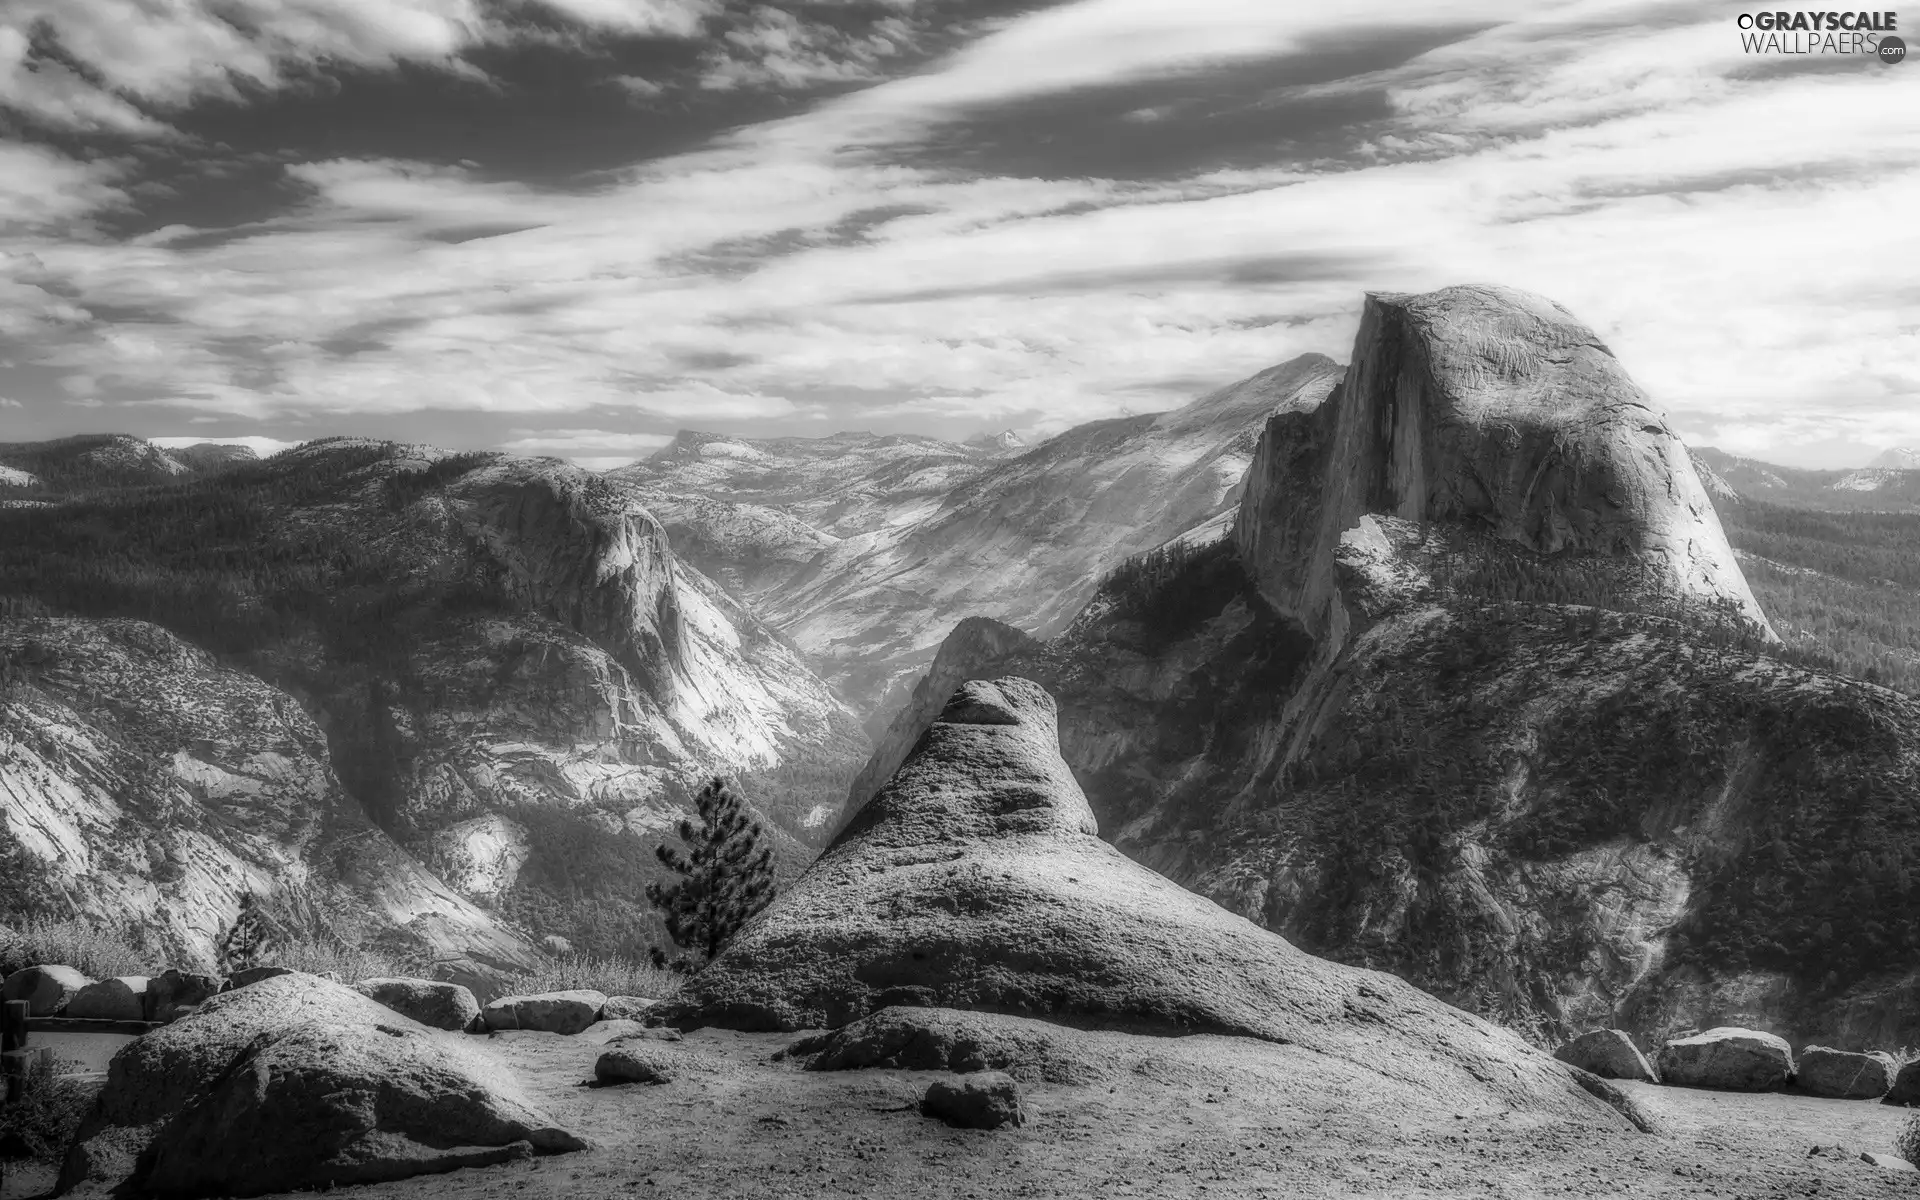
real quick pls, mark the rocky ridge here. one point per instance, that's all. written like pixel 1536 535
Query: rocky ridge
pixel 516 678
pixel 975 880
pixel 1022 540
pixel 1541 762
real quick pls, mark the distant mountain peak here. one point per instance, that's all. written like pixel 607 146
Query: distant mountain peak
pixel 1899 458
pixel 1006 439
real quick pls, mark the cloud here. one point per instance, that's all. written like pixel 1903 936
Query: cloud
pixel 1728 233
pixel 134 54
pixel 775 47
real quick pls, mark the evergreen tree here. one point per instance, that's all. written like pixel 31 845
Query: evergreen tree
pixel 246 941
pixel 726 876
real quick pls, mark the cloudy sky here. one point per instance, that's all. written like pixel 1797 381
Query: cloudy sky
pixel 575 226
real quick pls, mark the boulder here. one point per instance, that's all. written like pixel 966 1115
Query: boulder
pixel 1906 1085
pixel 639 1060
pixel 1844 1074
pixel 975 879
pixel 172 993
pixel 625 1008
pixel 1888 1162
pixel 982 1100
pixel 251 975
pixel 945 1039
pixel 1608 1053
pixel 1741 1060
pixel 550 1012
pixel 432 1003
pixel 120 999
pixel 293 1083
pixel 46 989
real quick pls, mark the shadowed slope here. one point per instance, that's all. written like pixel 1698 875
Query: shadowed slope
pixel 975 879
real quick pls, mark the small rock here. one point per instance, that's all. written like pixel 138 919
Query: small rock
pixel 174 994
pixel 638 1061
pixel 1844 1074
pixel 1608 1053
pixel 1743 1060
pixel 625 1008
pixel 46 989
pixel 551 1012
pixel 434 1004
pixel 120 999
pixel 979 1100
pixel 1888 1162
pixel 251 975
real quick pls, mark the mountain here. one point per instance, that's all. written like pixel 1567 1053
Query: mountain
pixel 1006 441
pixel 1022 539
pixel 91 460
pixel 1476 693
pixel 1899 458
pixel 1836 565
pixel 974 881
pixel 754 512
pixel 211 456
pixel 1882 487
pixel 518 680
pixel 145 785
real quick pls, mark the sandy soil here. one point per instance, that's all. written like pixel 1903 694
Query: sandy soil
pixel 1189 1117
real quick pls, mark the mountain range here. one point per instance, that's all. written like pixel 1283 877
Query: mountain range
pixel 1451 661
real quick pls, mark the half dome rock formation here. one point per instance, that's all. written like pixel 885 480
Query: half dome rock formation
pixel 1489 413
pixel 975 880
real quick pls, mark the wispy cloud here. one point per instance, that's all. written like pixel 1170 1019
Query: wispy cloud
pixel 1729 232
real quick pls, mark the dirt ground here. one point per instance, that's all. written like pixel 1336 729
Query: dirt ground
pixel 1187 1117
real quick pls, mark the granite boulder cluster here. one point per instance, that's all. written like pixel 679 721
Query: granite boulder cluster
pixel 1747 1060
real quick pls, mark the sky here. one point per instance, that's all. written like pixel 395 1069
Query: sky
pixel 573 227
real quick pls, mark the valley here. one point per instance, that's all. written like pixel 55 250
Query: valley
pixel 1631 747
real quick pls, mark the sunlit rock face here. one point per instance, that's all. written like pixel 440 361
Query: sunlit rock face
pixel 975 879
pixel 1496 412
pixel 510 672
pixel 1474 695
pixel 142 784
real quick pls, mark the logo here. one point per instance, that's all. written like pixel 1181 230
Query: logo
pixel 1800 33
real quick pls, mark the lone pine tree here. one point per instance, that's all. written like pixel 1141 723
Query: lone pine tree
pixel 726 876
pixel 247 940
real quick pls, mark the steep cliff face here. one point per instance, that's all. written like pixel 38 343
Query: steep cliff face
pixel 142 783
pixel 576 550
pixel 1496 412
pixel 1475 696
pixel 514 674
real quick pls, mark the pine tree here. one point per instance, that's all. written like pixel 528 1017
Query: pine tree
pixel 726 876
pixel 245 941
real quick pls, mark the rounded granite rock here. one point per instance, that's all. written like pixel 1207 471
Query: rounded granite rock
pixel 293 1083
pixel 1729 1058
pixel 975 880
